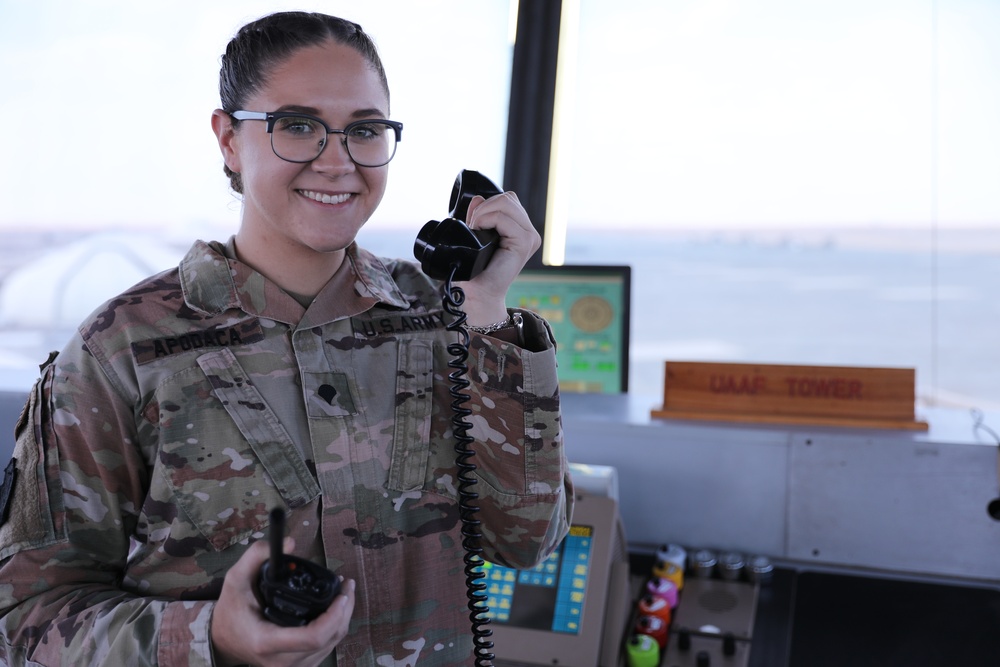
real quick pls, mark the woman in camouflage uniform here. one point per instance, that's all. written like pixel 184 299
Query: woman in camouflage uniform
pixel 284 368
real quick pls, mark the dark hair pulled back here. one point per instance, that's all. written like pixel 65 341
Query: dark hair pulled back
pixel 262 44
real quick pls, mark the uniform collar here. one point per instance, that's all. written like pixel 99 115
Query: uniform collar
pixel 213 281
pixel 372 278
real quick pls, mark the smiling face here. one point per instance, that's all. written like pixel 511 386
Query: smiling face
pixel 306 212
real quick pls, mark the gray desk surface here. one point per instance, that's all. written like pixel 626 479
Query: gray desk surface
pixel 950 425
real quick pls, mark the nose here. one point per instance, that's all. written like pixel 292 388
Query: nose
pixel 334 159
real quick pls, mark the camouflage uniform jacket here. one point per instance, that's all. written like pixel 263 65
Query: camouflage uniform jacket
pixel 153 447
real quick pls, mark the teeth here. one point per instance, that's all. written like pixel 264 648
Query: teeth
pixel 326 199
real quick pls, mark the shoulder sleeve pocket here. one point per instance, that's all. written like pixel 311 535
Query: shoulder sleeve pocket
pixel 34 515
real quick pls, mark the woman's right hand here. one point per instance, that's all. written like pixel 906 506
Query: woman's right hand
pixel 241 635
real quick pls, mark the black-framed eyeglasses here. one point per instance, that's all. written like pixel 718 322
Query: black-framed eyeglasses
pixel 298 137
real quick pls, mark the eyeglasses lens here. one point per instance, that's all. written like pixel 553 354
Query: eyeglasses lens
pixel 299 139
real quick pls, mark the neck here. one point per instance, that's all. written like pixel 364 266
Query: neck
pixel 298 272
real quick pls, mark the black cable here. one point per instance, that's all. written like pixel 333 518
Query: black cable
pixel 993 507
pixel 454 297
pixel 978 425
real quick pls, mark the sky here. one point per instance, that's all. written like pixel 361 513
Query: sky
pixel 793 112
pixel 727 113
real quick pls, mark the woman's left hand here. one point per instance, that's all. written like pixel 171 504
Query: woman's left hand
pixel 487 292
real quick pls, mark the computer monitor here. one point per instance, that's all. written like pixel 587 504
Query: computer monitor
pixel 572 609
pixel 588 307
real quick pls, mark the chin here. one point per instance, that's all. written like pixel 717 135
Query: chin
pixel 327 246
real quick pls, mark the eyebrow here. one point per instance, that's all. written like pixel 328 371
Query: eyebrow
pixel 313 111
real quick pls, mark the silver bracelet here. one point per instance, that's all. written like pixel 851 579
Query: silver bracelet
pixel 515 320
pixel 490 328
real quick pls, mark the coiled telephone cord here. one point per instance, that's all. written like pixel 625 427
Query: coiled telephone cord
pixel 454 297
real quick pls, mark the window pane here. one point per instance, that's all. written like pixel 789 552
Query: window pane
pixel 808 183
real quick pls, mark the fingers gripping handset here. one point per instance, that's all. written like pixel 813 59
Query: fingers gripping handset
pixel 293 590
pixel 450 245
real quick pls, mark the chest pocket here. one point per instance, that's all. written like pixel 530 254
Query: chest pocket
pixel 226 457
pixel 413 408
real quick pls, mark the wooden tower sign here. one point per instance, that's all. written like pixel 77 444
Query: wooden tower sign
pixel 809 395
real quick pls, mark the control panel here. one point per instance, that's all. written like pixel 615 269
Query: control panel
pixel 696 608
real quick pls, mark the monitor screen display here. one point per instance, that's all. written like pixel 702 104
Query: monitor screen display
pixel 588 308
pixel 549 596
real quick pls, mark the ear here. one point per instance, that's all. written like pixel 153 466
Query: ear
pixel 225 133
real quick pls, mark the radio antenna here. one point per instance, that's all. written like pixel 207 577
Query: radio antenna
pixel 277 537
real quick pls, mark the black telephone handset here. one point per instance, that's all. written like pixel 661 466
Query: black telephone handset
pixel 449 245
pixel 293 590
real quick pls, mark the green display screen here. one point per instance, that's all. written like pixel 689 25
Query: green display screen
pixel 588 310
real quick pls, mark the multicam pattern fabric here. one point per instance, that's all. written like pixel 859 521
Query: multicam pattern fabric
pixel 152 449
